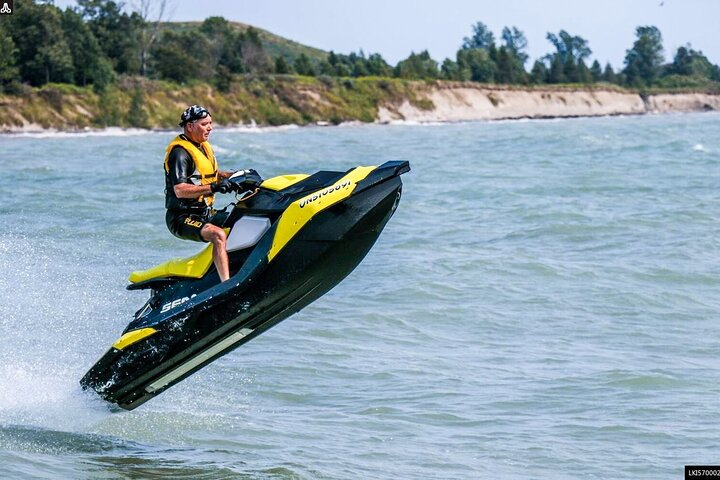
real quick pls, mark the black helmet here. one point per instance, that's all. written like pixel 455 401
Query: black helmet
pixel 192 113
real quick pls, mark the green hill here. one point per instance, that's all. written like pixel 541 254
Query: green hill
pixel 274 45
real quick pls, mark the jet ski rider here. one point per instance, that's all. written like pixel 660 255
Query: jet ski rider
pixel 192 178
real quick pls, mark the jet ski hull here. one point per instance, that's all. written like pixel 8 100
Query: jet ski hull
pixel 317 258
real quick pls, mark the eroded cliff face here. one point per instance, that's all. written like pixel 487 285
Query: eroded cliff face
pixel 464 103
pixel 685 102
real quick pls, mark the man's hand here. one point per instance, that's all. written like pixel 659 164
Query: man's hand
pixel 223 186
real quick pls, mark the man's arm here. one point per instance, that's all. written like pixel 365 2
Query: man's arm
pixel 188 190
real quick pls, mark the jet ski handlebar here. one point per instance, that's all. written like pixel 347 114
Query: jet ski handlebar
pixel 245 180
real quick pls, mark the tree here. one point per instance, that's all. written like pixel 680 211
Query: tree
pixel 340 64
pixel 42 52
pixel 450 71
pixel 570 52
pixel 644 59
pixel 282 67
pixel 476 59
pixel 682 63
pixel 476 65
pixel 556 72
pixel 583 74
pixel 690 62
pixel 255 59
pixel 377 66
pixel 223 78
pixel 118 33
pixel 303 66
pixel 596 71
pixel 149 30
pixel 512 61
pixel 334 66
pixel 179 57
pixel 539 73
pixel 505 72
pixel 609 74
pixel 9 72
pixel 516 43
pixel 225 44
pixel 90 63
pixel 325 69
pixel 568 48
pixel 417 66
pixel 358 64
pixel 570 70
pixel 482 37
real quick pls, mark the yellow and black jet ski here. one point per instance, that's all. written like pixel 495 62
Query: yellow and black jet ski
pixel 290 241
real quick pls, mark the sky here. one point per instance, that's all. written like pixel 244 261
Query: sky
pixel 395 28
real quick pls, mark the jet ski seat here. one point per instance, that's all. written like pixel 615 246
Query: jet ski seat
pixel 190 267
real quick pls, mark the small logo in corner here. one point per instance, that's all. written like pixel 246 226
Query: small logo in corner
pixel 7 7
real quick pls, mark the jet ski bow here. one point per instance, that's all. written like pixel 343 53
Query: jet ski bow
pixel 290 240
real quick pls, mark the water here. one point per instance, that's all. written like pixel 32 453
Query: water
pixel 544 304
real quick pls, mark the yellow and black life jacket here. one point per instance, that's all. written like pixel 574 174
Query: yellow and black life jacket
pixel 206 167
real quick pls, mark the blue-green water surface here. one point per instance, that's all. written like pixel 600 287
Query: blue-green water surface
pixel 545 303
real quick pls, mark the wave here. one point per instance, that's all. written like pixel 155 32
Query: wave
pixel 100 132
pixel 133 132
pixel 254 128
pixel 46 394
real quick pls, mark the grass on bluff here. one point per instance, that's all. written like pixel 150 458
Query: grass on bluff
pixel 263 99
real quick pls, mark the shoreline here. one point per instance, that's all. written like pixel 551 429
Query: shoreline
pixel 422 103
pixel 258 129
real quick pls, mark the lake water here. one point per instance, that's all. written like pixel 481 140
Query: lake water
pixel 545 303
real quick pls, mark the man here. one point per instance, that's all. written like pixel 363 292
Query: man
pixel 191 180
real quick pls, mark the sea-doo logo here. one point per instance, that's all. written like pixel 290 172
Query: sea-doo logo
pixel 176 303
pixel 328 190
pixel 7 7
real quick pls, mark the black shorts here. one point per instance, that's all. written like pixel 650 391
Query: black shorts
pixel 187 225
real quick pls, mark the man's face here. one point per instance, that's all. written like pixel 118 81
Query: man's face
pixel 199 131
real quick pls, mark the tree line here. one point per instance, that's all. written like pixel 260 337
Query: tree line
pixel 98 41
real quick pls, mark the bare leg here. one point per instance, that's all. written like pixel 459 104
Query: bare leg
pixel 217 237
